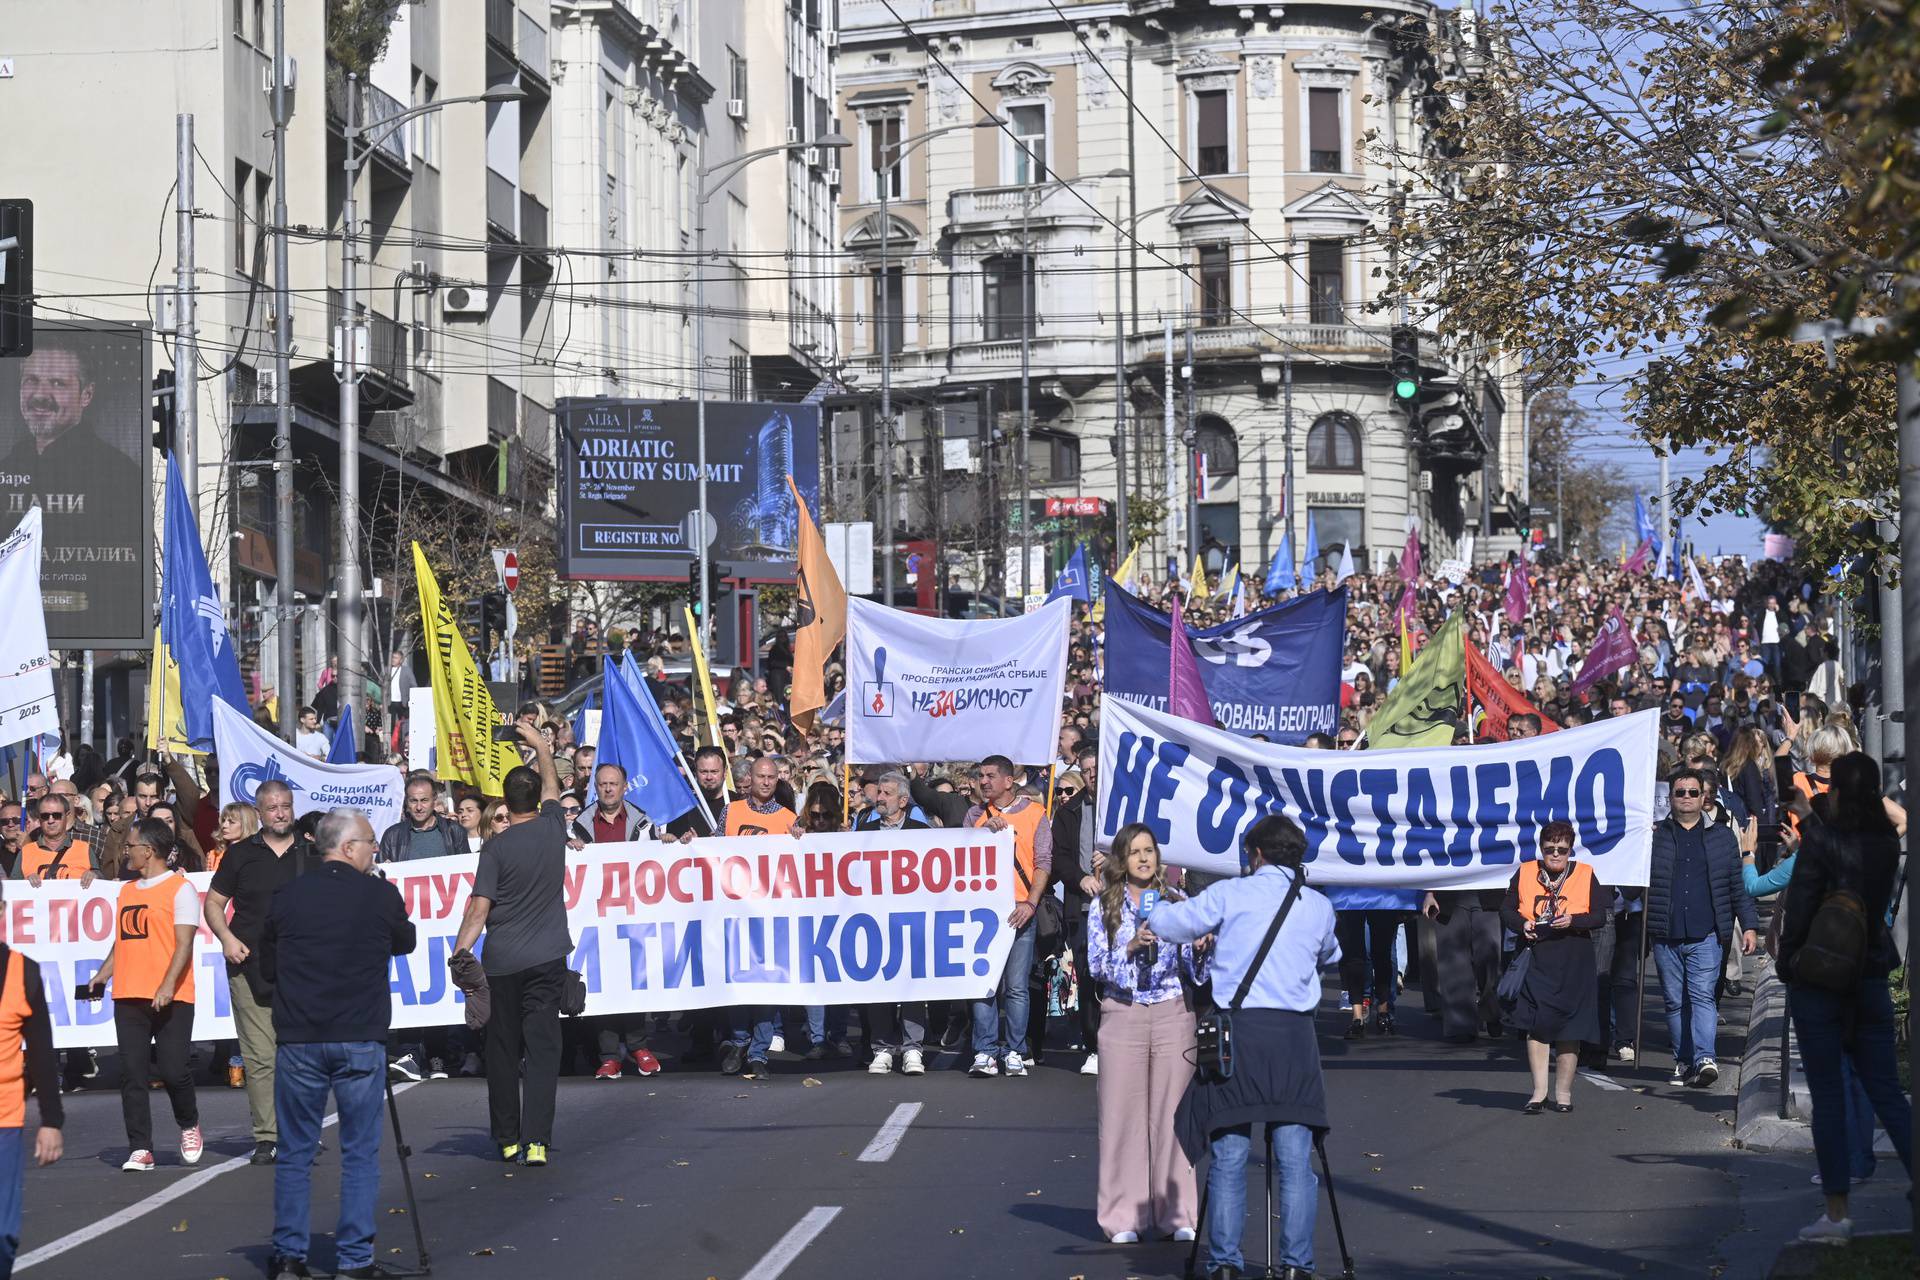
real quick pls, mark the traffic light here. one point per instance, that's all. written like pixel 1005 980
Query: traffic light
pixel 693 586
pixel 16 277
pixel 165 411
pixel 1403 366
pixel 493 618
pixel 473 621
pixel 716 584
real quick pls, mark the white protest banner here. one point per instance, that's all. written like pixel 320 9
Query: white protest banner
pixel 857 918
pixel 921 688
pixel 423 746
pixel 249 756
pixel 1435 818
pixel 27 708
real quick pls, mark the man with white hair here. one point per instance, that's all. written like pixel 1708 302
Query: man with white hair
pixel 896 1031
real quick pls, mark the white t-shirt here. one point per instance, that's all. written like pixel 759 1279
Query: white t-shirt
pixel 186 900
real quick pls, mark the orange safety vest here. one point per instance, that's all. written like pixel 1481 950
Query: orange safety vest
pixel 14 1010
pixel 1576 891
pixel 145 945
pixel 744 820
pixel 74 861
pixel 1025 822
pixel 1807 786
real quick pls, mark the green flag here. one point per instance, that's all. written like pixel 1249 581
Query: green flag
pixel 1423 707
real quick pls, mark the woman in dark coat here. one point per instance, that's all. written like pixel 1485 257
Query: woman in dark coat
pixel 1555 904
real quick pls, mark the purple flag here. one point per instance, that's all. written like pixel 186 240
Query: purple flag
pixel 1516 594
pixel 1186 696
pixel 1637 562
pixel 1613 649
pixel 1410 557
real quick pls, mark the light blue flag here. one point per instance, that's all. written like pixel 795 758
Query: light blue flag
pixel 345 748
pixel 193 626
pixel 1280 575
pixel 580 720
pixel 1310 562
pixel 633 736
pixel 1072 582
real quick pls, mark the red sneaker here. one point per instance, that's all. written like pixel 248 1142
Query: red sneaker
pixel 609 1070
pixel 645 1063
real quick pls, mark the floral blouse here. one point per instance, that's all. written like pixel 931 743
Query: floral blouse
pixel 1123 978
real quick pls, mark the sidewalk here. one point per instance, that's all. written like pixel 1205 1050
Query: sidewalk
pixel 1758 1125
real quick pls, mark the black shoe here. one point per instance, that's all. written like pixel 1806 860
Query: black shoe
pixel 372 1271
pixel 816 1052
pixel 284 1268
pixel 955 1033
pixel 731 1056
pixel 1561 1107
pixel 757 1068
pixel 263 1153
pixel 1356 1029
pixel 1533 1108
pixel 1383 1023
pixel 841 1048
pixel 1224 1273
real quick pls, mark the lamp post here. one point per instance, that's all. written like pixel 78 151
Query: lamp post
pixel 883 171
pixel 360 141
pixel 710 179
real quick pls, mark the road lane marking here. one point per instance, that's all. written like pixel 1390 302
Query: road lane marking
pixel 884 1143
pixel 159 1199
pixel 790 1245
pixel 1599 1081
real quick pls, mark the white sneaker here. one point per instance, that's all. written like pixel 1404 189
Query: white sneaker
pixel 1124 1237
pixel 436 1069
pixel 1183 1235
pixel 1824 1230
pixel 1625 1053
pixel 777 1045
pixel 1815 1179
pixel 983 1066
pixel 1016 1065
pixel 912 1063
pixel 140 1161
pixel 1091 1067
pixel 882 1063
pixel 404 1067
pixel 1705 1074
pixel 192 1145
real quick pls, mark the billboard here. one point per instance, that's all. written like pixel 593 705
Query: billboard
pixel 629 492
pixel 75 442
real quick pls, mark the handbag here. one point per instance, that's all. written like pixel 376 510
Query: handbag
pixel 573 994
pixel 1213 1035
pixel 1514 979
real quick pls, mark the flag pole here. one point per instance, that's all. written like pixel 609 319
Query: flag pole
pixel 699 795
pixel 1050 769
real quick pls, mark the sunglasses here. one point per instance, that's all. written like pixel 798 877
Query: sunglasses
pixel 1689 792
pixel 50 814
pixel 1556 848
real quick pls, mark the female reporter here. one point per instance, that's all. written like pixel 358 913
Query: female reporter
pixel 152 964
pixel 1146 1049
pixel 1555 904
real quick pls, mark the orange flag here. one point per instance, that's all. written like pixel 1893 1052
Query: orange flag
pixel 1498 699
pixel 822 607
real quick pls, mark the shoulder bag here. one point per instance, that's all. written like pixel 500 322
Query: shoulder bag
pixel 1213 1037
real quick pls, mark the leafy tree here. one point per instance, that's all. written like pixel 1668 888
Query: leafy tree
pixel 1591 495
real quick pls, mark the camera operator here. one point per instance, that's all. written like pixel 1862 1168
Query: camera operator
pixel 1275 1077
pixel 327 942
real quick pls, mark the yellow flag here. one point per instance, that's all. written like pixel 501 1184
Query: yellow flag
pixel 463 709
pixel 712 736
pixel 166 718
pixel 1124 576
pixel 1197 580
pixel 1228 580
pixel 1406 645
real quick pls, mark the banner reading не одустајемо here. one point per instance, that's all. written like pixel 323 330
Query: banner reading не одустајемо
pixel 854 918
pixel 1432 818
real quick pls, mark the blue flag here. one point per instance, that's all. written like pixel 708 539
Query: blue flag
pixel 633 736
pixel 1642 526
pixel 193 626
pixel 1280 575
pixel 1310 562
pixel 346 746
pixel 580 721
pixel 1275 672
pixel 1072 582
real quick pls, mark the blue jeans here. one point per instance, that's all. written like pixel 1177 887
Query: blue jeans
pixel 1295 1187
pixel 819 1015
pixel 1820 1020
pixel 13 1181
pixel 356 1074
pixel 1689 973
pixel 1010 1000
pixel 750 1027
pixel 1860 1157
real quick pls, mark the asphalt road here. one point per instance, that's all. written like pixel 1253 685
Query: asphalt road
pixel 693 1175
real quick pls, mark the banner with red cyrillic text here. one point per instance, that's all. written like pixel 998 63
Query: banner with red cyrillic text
pixel 856 918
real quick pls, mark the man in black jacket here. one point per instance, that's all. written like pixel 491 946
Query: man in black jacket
pixel 1075 823
pixel 896 1031
pixel 328 940
pixel 422 833
pixel 1694 897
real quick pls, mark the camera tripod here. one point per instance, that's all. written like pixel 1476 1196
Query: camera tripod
pixel 1269 1271
pixel 424 1266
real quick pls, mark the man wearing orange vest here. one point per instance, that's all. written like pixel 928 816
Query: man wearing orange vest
pixel 1003 808
pixel 750 1037
pixel 53 853
pixel 27 1065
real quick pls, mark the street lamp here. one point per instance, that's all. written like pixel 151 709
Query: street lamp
pixel 361 141
pixel 1028 318
pixel 884 170
pixel 710 179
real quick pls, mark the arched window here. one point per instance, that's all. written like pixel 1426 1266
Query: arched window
pixel 1217 444
pixel 1333 442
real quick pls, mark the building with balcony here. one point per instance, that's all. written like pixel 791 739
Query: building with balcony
pixel 1186 200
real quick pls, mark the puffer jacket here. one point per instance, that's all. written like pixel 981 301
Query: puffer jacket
pixel 1731 903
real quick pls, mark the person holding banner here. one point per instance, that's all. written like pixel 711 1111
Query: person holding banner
pixel 1002 807
pixel 614 819
pixel 896 1031
pixel 1555 904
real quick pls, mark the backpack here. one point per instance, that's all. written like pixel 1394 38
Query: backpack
pixel 1834 955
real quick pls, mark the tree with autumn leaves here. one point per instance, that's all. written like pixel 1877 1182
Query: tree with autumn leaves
pixel 1655 195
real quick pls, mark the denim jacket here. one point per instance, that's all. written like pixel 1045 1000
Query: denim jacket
pixel 1119 977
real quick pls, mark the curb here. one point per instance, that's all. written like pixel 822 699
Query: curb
pixel 1757 1125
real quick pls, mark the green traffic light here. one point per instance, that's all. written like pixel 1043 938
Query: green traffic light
pixel 1405 389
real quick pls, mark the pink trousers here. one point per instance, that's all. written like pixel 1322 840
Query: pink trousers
pixel 1147 1183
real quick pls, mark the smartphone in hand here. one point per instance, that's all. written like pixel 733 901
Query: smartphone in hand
pixel 87 991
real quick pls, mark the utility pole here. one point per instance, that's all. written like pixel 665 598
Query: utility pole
pixel 1666 515
pixel 1171 435
pixel 282 391
pixel 351 336
pixel 1119 403
pixel 1027 315
pixel 1193 486
pixel 1559 510
pixel 883 315
pixel 1286 422
pixel 186 349
pixel 1908 407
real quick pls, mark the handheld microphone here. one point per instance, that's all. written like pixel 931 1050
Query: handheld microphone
pixel 1149 954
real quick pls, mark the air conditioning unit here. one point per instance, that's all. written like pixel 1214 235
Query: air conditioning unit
pixel 813 157
pixel 833 176
pixel 266 386
pixel 793 135
pixel 736 108
pixel 463 300
pixel 831 39
pixel 1426 482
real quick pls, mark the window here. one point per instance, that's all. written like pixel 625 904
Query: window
pixel 1326 282
pixel 262 202
pixel 1215 440
pixel 1333 444
pixel 1216 283
pixel 739 374
pixel 1323 131
pixel 242 189
pixel 1006 309
pixel 261 36
pixel 797 107
pixel 240 18
pixel 1053 457
pixel 427 127
pixel 890 307
pixel 1338 527
pixel 1029 125
pixel 1212 154
pixel 883 141
pixel 737 78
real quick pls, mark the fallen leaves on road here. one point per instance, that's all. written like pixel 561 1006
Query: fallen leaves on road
pixel 1376 1168
pixel 1416 1188
pixel 396 1211
pixel 181 1227
pixel 481 1253
pixel 1033 1193
pixel 429 1175
pixel 1372 1155
pixel 680 1164
pixel 810 1083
